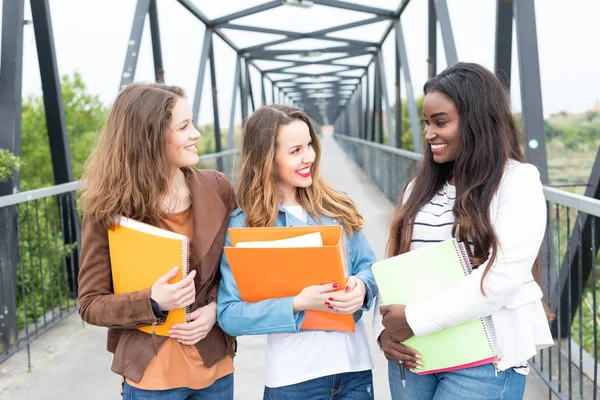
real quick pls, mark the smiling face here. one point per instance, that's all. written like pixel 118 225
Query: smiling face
pixel 183 136
pixel 294 157
pixel 442 123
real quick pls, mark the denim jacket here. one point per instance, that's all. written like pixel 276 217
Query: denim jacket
pixel 239 318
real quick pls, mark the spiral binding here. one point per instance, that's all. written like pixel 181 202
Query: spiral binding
pixel 488 325
pixel 185 261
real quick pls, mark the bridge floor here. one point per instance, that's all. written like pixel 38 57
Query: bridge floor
pixel 70 361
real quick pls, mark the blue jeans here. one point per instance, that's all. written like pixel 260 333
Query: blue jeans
pixel 470 383
pixel 222 389
pixel 346 386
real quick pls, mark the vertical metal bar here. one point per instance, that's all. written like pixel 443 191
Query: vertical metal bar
pixel 368 117
pixel 272 93
pixel 594 307
pixel 569 310
pixel 531 89
pixel 549 270
pixel 386 102
pixel 580 313
pixel 71 233
pixel 249 86
pixel 58 272
pixel 558 312
pixel 159 72
pixel 432 39
pixel 243 91
pixel 504 25
pixel 441 10
pixel 24 295
pixel 398 98
pixel 410 97
pixel 215 98
pixel 236 82
pixel 31 268
pixel 40 260
pixel 263 95
pixel 53 101
pixel 206 47
pixel 133 47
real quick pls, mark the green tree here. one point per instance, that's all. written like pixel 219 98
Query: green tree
pixel 84 115
pixel 9 163
pixel 407 141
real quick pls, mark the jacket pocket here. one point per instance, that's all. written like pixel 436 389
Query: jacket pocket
pixel 526 294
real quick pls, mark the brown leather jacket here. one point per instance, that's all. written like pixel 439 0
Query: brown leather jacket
pixel 213 200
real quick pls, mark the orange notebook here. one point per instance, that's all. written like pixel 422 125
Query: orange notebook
pixel 265 273
pixel 140 254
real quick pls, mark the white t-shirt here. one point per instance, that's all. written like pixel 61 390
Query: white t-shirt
pixel 298 357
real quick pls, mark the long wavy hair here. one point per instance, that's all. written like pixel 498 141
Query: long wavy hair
pixel 257 193
pixel 488 138
pixel 128 173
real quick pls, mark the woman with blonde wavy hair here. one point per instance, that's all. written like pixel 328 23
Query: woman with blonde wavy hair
pixel 143 168
pixel 280 185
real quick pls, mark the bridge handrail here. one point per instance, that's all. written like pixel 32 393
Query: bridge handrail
pixel 23 197
pixel 581 203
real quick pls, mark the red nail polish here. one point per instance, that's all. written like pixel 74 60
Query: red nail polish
pixel 327 303
pixel 331 298
pixel 347 288
pixel 335 285
pixel 330 307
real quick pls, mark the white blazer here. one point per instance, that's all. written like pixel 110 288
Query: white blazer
pixel 512 297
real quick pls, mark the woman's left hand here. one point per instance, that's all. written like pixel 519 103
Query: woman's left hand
pixel 200 323
pixel 351 299
pixel 394 320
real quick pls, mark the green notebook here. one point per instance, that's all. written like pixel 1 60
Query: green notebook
pixel 415 275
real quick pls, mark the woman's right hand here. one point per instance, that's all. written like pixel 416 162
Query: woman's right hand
pixel 174 296
pixel 315 297
pixel 395 351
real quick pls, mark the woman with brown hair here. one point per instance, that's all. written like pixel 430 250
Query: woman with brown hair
pixel 143 168
pixel 472 184
pixel 280 185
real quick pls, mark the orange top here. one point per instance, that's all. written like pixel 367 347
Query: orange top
pixel 177 365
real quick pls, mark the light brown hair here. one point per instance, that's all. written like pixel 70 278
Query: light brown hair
pixel 257 193
pixel 128 172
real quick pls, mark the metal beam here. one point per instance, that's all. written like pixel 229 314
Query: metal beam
pixel 243 89
pixel 413 114
pixel 11 79
pixel 531 88
pixel 352 42
pixel 133 46
pixel 246 12
pixel 263 95
pixel 432 39
pixel 441 10
pixel 398 107
pixel 386 102
pixel 206 47
pixel 504 29
pixel 215 100
pixel 349 54
pixel 339 49
pixel 380 12
pixel 194 11
pixel 236 83
pixel 159 72
pixel 303 63
pixel 249 86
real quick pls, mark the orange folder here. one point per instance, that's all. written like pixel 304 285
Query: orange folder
pixel 265 273
pixel 140 254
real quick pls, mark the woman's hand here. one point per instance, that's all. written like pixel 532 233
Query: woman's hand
pixel 314 298
pixel 201 322
pixel 396 351
pixel 173 296
pixel 394 320
pixel 351 300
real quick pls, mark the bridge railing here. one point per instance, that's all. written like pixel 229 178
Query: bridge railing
pixel 570 368
pixel 39 257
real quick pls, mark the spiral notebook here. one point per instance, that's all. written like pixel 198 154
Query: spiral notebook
pixel 140 254
pixel 415 275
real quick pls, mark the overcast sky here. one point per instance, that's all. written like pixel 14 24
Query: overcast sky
pixel 91 37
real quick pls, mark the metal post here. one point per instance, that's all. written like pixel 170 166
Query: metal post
pixel 217 125
pixel 386 102
pixel 441 10
pixel 432 40
pixel 243 92
pixel 504 27
pixel 159 72
pixel 236 82
pixel 249 85
pixel 133 47
pixel 531 88
pixel 263 95
pixel 368 117
pixel 206 47
pixel 410 97
pixel 11 65
pixel 55 121
pixel 272 93
pixel 398 107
